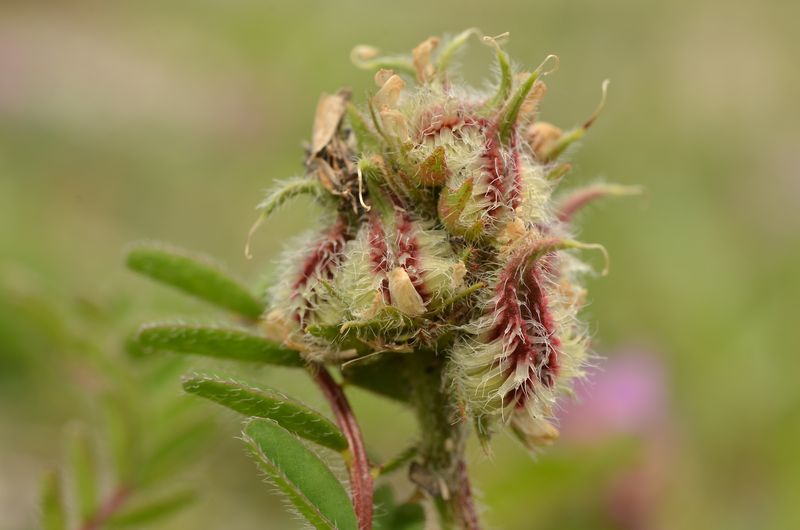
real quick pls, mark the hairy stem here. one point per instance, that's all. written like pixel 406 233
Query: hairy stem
pixel 442 470
pixel 107 509
pixel 360 475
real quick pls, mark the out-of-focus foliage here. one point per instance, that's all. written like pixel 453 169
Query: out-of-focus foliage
pixel 125 452
pixel 129 120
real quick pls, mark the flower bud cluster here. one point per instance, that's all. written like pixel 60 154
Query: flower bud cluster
pixel 442 235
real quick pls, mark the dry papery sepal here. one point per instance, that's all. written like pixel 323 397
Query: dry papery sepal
pixel 444 274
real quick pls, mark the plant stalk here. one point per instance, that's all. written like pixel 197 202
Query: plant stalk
pixel 360 475
pixel 441 471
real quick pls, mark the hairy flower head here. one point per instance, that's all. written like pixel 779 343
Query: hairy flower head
pixel 441 234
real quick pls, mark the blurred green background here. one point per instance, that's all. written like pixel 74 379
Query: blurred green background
pixel 165 120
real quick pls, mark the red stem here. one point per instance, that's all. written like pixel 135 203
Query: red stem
pixel 465 505
pixel 360 476
pixel 107 509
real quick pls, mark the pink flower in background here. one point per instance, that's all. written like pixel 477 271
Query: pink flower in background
pixel 626 396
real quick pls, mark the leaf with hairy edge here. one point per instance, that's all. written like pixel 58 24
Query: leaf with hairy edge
pixel 83 472
pixel 271 404
pixel 53 513
pixel 219 342
pixel 151 511
pixel 307 482
pixel 197 276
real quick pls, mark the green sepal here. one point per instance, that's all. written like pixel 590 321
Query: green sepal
pixel 557 173
pixel 575 134
pixel 332 333
pixel 506 79
pixel 271 404
pixel 399 63
pixel 306 481
pixel 219 342
pixel 289 189
pixel 433 170
pixel 373 179
pixel 452 204
pixel 367 140
pixel 450 49
pixel 195 275
pixel 511 112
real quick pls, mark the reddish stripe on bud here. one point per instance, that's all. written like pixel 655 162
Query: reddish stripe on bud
pixel 379 253
pixel 516 174
pixel 502 177
pixel 525 325
pixel 408 254
pixel 433 121
pixel 493 172
pixel 327 253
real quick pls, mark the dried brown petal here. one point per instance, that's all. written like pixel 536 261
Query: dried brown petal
pixel 329 114
pixel 422 58
pixel 532 100
pixel 389 93
pixel 542 136
pixel 395 123
pixel 383 75
pixel 326 175
pixel 404 295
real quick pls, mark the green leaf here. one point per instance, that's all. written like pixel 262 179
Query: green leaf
pixel 271 404
pixel 307 482
pixel 53 513
pixel 509 118
pixel 151 511
pixel 83 472
pixel 195 275
pixel 219 342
